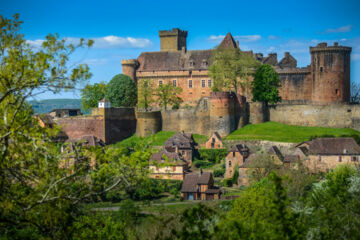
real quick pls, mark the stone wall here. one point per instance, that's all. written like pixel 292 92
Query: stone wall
pixel 120 123
pixel 148 123
pixel 334 115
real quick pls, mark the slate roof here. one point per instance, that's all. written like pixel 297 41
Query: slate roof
pixel 275 151
pixel 191 181
pixel 290 158
pixel 217 135
pixel 228 42
pixel 180 140
pixel 173 157
pixel 332 146
pixel 88 141
pixel 241 148
pixel 165 61
pixel 46 119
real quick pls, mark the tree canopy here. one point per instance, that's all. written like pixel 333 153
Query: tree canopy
pixel 92 94
pixel 265 87
pixel 167 94
pixel 231 68
pixel 146 93
pixel 121 91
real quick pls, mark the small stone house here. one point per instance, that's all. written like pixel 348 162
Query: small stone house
pixel 199 187
pixel 61 113
pixel 168 165
pixel 214 142
pixel 183 144
pixel 235 157
pixel 324 154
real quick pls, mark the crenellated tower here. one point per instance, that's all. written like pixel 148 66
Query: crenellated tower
pixel 330 69
pixel 172 40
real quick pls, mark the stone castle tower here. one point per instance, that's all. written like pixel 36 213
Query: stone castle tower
pixel 330 68
pixel 129 67
pixel 172 40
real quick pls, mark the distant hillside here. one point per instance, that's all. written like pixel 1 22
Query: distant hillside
pixel 45 106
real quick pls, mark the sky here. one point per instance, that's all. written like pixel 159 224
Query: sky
pixel 123 29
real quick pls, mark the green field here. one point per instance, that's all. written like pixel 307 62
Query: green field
pixel 278 132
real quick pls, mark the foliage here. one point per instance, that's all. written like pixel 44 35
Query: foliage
pixel 92 94
pixel 219 172
pixel 236 174
pixel 200 139
pixel 146 93
pixel 202 163
pixel 261 166
pixel 228 182
pixel 167 94
pixel 212 155
pixel 121 91
pixel 230 69
pixel 273 131
pixel 265 85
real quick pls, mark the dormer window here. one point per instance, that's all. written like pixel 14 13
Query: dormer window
pixel 191 63
pixel 204 63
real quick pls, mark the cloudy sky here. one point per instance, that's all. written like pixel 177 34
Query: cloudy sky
pixel 123 29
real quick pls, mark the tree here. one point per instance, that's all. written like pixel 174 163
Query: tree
pixel 231 68
pixel 265 85
pixel 121 91
pixel 92 94
pixel 145 94
pixel 167 94
pixel 38 198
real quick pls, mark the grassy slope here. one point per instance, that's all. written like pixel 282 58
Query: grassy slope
pixel 273 131
pixel 158 139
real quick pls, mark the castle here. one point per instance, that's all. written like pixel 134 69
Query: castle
pixel 317 95
pixel 326 80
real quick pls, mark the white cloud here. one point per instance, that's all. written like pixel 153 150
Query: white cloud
pixel 342 29
pixel 242 38
pixel 110 41
pixel 273 37
pixel 35 43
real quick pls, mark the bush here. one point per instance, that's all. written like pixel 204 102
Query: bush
pixel 212 155
pixel 219 172
pixel 228 182
pixel 202 164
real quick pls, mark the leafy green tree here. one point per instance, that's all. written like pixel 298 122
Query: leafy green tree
pixel 92 94
pixel 231 69
pixel 145 94
pixel 167 94
pixel 265 87
pixel 236 174
pixel 121 91
pixel 39 198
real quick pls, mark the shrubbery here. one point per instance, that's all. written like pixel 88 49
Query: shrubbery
pixel 228 182
pixel 212 155
pixel 219 172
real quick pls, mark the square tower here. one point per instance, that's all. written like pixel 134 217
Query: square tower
pixel 172 40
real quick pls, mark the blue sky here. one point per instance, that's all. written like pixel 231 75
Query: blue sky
pixel 123 29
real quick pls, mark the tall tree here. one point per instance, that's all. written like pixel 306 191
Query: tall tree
pixel 145 94
pixel 231 69
pixel 265 87
pixel 121 91
pixel 39 199
pixel 167 94
pixel 92 94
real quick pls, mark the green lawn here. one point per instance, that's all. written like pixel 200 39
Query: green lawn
pixel 273 131
pixel 200 139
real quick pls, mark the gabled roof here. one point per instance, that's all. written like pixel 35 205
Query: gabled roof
pixel 180 140
pixel 191 181
pixel 46 119
pixel 239 148
pixel 88 141
pixel 274 150
pixel 332 146
pixel 217 135
pixel 228 42
pixel 174 158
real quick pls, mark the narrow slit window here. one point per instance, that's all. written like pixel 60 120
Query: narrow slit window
pixel 174 83
pixel 203 83
pixel 190 84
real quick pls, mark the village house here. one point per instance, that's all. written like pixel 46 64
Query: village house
pixel 168 165
pixel 183 144
pixel 61 113
pixel 199 187
pixel 214 142
pixel 324 154
pixel 235 157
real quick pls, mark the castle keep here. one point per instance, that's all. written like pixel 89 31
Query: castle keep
pixel 326 80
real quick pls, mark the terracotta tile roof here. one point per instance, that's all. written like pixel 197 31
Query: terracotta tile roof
pixel 332 146
pixel 164 61
pixel 228 42
pixel 174 158
pixel 191 181
pixel 180 140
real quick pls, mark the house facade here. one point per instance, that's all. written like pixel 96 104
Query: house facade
pixel 214 142
pixel 199 187
pixel 236 157
pixel 183 144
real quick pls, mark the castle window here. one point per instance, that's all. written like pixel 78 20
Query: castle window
pixel 209 83
pixel 160 82
pixel 191 63
pixel 354 159
pixel 234 154
pixel 190 84
pixel 203 83
pixel 174 83
pixel 204 63
pixel 337 92
pixel 229 163
pixel 321 69
pixel 340 159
